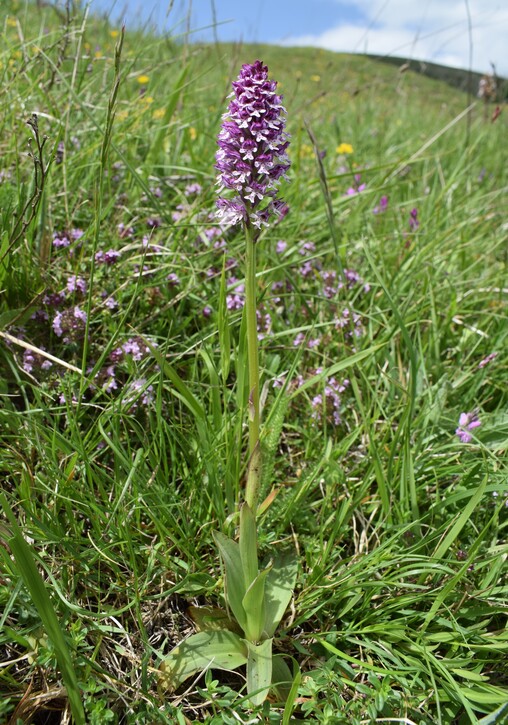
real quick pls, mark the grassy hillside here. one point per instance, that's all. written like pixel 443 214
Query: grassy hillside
pixel 455 77
pixel 124 398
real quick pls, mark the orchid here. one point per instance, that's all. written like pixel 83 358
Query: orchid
pixel 251 162
pixel 252 158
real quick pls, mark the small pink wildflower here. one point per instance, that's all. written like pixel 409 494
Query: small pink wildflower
pixel 467 423
pixel 486 360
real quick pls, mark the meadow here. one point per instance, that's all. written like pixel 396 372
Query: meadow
pixel 382 331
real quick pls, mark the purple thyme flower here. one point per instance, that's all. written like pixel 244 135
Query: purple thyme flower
pixel 76 234
pixel 486 360
pixel 70 324
pixel 110 303
pixel 124 231
pixel 108 257
pixel 382 206
pixel 32 360
pixel 76 284
pixel 467 422
pixel 53 299
pixel 264 324
pixel 193 189
pixel 352 325
pixel 61 240
pixel 173 279
pixel 329 404
pixel 252 158
pixel 135 347
pixel 307 248
pixel 138 392
pixel 59 155
pixel 413 220
pixel 357 188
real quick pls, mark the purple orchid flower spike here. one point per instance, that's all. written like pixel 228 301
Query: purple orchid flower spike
pixel 252 158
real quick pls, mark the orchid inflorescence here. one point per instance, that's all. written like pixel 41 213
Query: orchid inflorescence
pixel 252 158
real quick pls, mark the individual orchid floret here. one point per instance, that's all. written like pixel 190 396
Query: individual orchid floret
pixel 252 158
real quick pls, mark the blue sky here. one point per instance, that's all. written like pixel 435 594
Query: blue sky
pixel 432 30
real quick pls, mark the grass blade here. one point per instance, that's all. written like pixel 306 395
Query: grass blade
pixel 33 581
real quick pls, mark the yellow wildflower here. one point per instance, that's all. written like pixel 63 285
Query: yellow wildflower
pixel 315 78
pixel 143 79
pixel 193 133
pixel 306 150
pixel 344 148
pixel 12 22
pixel 114 33
pixel 158 113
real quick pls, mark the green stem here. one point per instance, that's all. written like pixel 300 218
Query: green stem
pixel 254 468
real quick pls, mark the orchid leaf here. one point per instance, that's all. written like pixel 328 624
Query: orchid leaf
pixel 223 650
pixel 235 587
pixel 279 588
pixel 248 545
pixel 212 619
pixel 259 670
pixel 254 606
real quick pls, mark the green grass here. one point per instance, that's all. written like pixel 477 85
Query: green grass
pixel 110 494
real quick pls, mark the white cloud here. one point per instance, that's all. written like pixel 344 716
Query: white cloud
pixel 432 30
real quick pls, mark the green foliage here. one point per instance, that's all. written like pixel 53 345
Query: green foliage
pixel 257 601
pixel 123 440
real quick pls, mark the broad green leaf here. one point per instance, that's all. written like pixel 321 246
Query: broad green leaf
pixel 254 606
pixel 212 619
pixel 235 587
pixel 259 670
pixel 223 650
pixel 248 545
pixel 468 674
pixel 486 694
pixel 279 588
